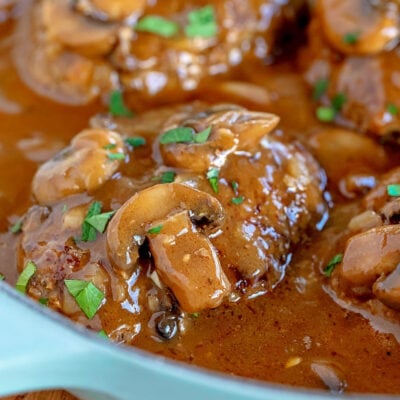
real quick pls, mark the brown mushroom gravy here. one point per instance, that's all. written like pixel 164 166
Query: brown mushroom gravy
pixel 211 180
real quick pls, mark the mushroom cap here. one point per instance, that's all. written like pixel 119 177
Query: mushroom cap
pixel 232 128
pixel 128 228
pixel 83 166
pixel 375 28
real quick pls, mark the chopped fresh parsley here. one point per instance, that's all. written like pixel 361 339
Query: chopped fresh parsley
pixel 194 315
pixel 168 177
pixel 177 135
pixel 2 277
pixel 109 146
pixel 235 187
pixel 392 109
pixel 44 301
pixel 202 136
pixel 87 296
pixel 157 25
pixel 326 114
pixel 89 233
pixel 117 106
pixel 135 141
pixel 17 227
pixel 64 209
pixel 100 221
pixel 212 176
pixel 237 200
pixel 393 190
pixel 320 88
pixel 115 156
pixel 339 101
pixel 25 276
pixel 202 23
pixel 155 229
pixel 351 37
pixel 332 264
pixel 102 334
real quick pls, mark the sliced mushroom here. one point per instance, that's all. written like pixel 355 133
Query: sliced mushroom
pixel 387 289
pixel 232 128
pixel 83 166
pixel 372 29
pixel 184 257
pixel 187 263
pixel 371 254
pixel 106 10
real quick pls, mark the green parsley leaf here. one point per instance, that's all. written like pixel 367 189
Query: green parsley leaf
pixel 25 276
pixel 326 114
pixel 177 135
pixel 392 109
pixel 202 136
pixel 157 25
pixel 87 296
pixel 320 88
pixel 88 231
pixel 17 227
pixel 115 156
pixel 237 200
pixel 212 176
pixel 64 209
pixel 2 277
pixel 332 264
pixel 194 315
pixel 235 187
pixel 109 146
pixel 339 101
pixel 351 38
pixel 155 229
pixel 202 23
pixel 117 106
pixel 44 301
pixel 135 141
pixel 393 190
pixel 100 221
pixel 168 176
pixel 103 334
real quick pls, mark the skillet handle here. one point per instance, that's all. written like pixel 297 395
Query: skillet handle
pixel 36 352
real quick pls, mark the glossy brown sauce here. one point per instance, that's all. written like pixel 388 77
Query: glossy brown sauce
pixel 297 323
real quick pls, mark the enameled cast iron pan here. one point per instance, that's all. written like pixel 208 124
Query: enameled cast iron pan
pixel 40 349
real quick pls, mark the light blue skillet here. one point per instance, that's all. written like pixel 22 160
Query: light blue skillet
pixel 42 350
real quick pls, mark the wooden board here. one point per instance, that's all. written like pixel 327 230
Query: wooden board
pixel 53 395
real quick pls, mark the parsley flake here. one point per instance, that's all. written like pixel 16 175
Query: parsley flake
pixel 202 136
pixel 194 315
pixel 17 227
pixel 326 114
pixel 235 187
pixel 320 88
pixel 177 135
pixel 100 221
pixel 135 141
pixel 117 106
pixel 87 296
pixel 115 156
pixel 168 177
pixel 25 276
pixel 237 200
pixel 155 229
pixel 88 231
pixel 44 301
pixel 212 176
pixel 202 23
pixel 157 25
pixel 332 264
pixel 2 277
pixel 392 109
pixel 339 101
pixel 109 146
pixel 393 190
pixel 102 334
pixel 351 38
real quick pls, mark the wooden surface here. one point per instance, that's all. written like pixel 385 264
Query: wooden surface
pixel 54 395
